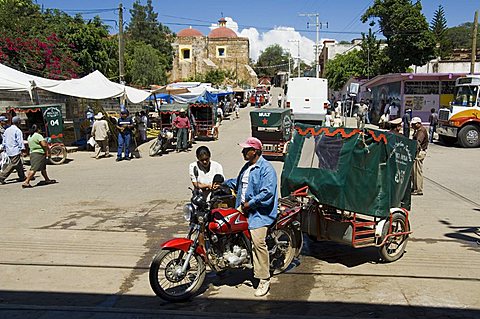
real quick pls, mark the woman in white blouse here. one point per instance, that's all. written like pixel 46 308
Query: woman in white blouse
pixel 203 170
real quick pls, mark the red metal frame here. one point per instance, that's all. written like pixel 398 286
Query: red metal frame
pixel 361 238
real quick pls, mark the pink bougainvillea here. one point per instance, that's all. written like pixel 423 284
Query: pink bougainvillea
pixel 49 57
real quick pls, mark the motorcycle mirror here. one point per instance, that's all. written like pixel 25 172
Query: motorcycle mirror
pixel 195 172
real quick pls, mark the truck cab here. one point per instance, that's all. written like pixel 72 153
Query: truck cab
pixel 461 121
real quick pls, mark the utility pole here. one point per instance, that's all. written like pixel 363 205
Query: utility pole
pixel 317 44
pixel 474 43
pixel 298 56
pixel 121 45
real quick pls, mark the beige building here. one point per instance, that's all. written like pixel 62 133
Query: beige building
pixel 196 54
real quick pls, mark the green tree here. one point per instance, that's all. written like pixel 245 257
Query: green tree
pixel 439 30
pixel 409 40
pixel 144 65
pixel 339 69
pixel 89 41
pixel 461 36
pixel 216 77
pixel 144 26
pixel 371 55
pixel 272 60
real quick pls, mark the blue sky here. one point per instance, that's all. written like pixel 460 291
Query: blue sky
pixel 266 22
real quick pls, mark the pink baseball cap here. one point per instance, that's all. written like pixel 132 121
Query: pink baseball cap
pixel 252 142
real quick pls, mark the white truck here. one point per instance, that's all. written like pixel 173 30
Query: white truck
pixel 308 99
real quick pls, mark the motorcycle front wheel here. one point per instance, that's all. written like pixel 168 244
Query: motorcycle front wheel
pixel 166 280
pixel 156 148
pixel 281 249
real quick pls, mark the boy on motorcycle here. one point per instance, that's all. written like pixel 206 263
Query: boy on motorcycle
pixel 256 188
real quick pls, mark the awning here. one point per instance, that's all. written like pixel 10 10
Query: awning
pixel 209 63
pixel 250 70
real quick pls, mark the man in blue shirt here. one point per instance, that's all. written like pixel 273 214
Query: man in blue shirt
pixel 256 188
pixel 124 126
pixel 13 146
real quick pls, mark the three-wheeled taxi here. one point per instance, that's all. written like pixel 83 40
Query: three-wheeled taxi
pixel 274 128
pixel 205 120
pixel 353 186
pixel 51 119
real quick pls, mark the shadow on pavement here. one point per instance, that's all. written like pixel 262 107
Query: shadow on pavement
pixel 37 304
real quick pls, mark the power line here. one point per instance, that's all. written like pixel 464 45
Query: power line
pixel 357 16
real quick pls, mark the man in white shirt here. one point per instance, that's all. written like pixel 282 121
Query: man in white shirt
pixel 13 146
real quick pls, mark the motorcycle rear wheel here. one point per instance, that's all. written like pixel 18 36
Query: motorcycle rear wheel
pixel 167 284
pixel 281 249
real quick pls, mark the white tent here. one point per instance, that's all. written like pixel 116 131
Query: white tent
pixel 94 86
pixel 13 80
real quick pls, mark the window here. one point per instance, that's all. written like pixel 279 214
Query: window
pixel 448 87
pixel 186 54
pixel 221 52
pixel 421 87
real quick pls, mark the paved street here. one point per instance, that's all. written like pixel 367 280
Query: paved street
pixel 81 248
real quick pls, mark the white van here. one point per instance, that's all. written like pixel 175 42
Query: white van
pixel 308 99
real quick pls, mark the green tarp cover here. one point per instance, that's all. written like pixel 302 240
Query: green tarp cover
pixel 273 118
pixel 364 172
pixel 52 115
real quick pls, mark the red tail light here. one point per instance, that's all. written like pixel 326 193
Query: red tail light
pixel 288 104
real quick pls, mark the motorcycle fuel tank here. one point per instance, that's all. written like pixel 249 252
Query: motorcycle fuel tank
pixel 227 221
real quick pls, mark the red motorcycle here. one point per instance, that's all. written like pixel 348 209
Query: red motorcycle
pixel 219 238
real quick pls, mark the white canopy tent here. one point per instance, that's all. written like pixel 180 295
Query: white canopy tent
pixel 94 86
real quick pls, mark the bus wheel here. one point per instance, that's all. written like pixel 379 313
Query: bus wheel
pixel 469 136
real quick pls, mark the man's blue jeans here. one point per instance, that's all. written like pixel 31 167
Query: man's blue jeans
pixel 182 135
pixel 124 144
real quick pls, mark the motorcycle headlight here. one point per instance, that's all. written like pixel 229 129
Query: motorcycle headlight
pixel 188 212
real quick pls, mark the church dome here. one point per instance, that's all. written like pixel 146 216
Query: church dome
pixel 189 32
pixel 222 32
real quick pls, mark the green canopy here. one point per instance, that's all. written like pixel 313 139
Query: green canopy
pixel 364 172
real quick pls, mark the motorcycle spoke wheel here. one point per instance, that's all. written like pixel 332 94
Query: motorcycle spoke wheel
pixel 166 279
pixel 281 250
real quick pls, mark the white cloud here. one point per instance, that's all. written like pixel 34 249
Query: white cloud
pixel 279 35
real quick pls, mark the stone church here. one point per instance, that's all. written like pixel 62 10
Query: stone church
pixel 195 53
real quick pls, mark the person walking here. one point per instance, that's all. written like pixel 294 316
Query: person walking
pixel 203 170
pixel 124 126
pixel 406 119
pixel 100 133
pixel 13 147
pixel 256 188
pixel 39 152
pixel 182 123
pixel 142 126
pixel 433 120
pixel 361 114
pixel 421 136
pixel 328 119
pixel 3 127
